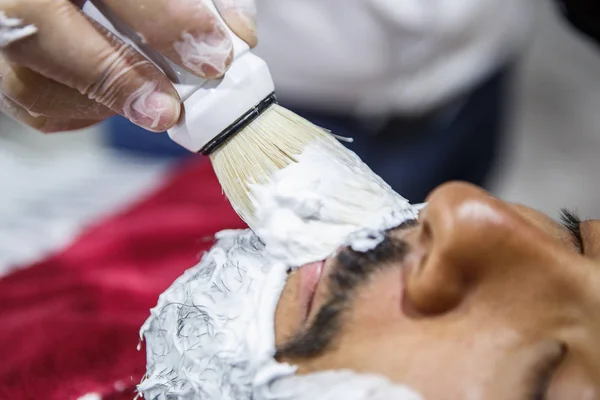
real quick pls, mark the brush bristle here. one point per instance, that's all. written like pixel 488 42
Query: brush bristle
pixel 268 144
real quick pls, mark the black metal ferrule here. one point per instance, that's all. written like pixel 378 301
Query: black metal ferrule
pixel 238 125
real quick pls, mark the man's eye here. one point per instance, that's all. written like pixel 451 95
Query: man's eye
pixel 572 222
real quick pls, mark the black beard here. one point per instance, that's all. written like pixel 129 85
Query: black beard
pixel 350 271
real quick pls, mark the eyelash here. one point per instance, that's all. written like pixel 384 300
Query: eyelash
pixel 572 222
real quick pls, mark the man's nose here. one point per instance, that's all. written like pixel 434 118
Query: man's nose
pixel 464 231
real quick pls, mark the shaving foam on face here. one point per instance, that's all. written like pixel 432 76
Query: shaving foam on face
pixel 327 199
pixel 211 335
pixel 336 385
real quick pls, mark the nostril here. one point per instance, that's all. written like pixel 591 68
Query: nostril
pixel 425 244
pixel 435 287
pixel 426 233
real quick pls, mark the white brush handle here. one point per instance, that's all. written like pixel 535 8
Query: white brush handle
pixel 210 106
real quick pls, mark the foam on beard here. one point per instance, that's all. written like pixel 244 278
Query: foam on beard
pixel 211 335
pixel 337 385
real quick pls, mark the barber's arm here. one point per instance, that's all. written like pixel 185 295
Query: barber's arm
pixel 583 15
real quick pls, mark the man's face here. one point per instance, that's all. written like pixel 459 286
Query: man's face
pixel 477 299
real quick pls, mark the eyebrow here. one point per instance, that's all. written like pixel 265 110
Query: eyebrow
pixel 351 269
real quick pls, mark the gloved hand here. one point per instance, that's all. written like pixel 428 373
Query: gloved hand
pixel 60 70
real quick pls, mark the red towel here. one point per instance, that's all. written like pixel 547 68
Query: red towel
pixel 69 324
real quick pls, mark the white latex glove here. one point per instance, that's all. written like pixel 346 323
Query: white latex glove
pixel 61 71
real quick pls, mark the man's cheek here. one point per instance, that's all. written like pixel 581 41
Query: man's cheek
pixel 287 313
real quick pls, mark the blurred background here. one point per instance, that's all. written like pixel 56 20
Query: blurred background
pixel 52 186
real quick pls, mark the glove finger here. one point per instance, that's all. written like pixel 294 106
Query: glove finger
pixel 240 16
pixel 40 122
pixel 41 95
pixel 70 49
pixel 185 31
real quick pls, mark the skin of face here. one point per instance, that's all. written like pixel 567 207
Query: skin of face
pixel 486 300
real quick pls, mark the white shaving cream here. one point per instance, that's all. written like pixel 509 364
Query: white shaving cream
pixel 205 49
pixel 338 385
pixel 325 200
pixel 13 30
pixel 211 335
